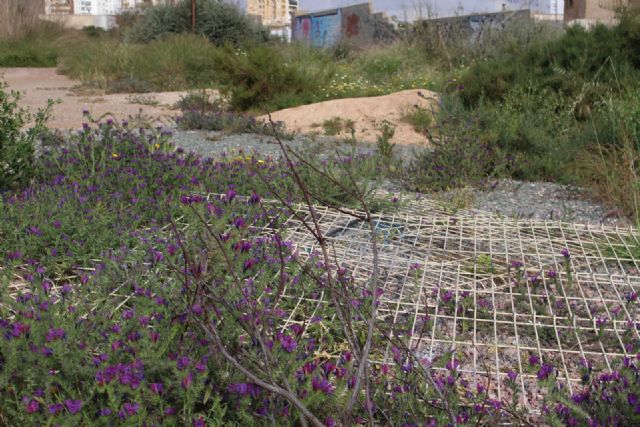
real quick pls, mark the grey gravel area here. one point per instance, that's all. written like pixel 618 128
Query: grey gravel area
pixel 536 200
pixel 215 144
pixel 509 198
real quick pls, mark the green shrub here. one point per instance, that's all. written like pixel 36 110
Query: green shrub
pixel 201 111
pixel 608 164
pixel 271 77
pixel 220 22
pixel 17 146
pixel 181 61
pixel 419 118
pixel 332 126
pixel 605 58
pixel 540 113
pixel 461 153
pixel 38 47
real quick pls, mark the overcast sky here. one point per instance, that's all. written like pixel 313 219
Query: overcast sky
pixel 440 7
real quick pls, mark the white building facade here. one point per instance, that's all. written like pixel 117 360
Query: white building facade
pixel 107 7
pixel 542 7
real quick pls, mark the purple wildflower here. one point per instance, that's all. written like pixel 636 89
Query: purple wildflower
pixel 31 405
pixel 230 195
pixel 157 257
pixel 239 222
pixel 517 265
pixel 183 362
pixel 545 371
pixel 156 388
pixel 254 199
pixel 321 384
pixel 56 408
pixel 187 381
pixel 73 406
pixel 452 365
pixel 288 343
pixel 130 409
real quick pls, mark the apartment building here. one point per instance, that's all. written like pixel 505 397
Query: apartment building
pixel 588 12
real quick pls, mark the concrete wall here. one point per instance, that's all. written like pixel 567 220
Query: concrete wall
pixel 355 24
pixel 80 21
pixel 478 25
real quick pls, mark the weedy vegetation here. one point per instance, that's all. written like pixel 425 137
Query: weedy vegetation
pixel 142 284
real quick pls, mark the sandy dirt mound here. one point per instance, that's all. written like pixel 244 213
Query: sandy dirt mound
pixel 366 113
pixel 39 84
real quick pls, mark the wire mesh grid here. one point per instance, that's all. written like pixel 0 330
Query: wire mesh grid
pixel 455 282
pixel 447 280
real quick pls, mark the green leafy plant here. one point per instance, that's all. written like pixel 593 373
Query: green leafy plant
pixel 336 125
pixel 202 111
pixel 419 118
pixel 384 144
pixel 220 22
pixel 270 77
pixel 17 146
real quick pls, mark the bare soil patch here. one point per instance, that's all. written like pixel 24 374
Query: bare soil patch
pixel 366 114
pixel 37 85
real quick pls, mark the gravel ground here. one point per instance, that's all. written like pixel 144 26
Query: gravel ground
pixel 535 200
pixel 215 144
pixel 515 199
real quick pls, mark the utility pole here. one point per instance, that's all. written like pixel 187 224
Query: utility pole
pixel 193 16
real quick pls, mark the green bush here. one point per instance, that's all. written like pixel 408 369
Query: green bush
pixel 604 59
pixel 461 153
pixel 608 164
pixel 271 77
pixel 180 61
pixel 202 111
pixel 540 112
pixel 220 22
pixel 419 118
pixel 36 48
pixel 17 146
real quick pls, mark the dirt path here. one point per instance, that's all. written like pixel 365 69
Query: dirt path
pixel 37 85
pixel 366 114
pixel 40 84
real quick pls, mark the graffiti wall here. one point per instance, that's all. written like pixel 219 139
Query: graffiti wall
pixel 354 24
pixel 477 26
pixel 325 29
